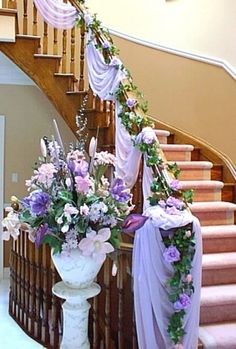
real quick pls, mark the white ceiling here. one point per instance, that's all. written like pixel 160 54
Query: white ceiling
pixel 11 74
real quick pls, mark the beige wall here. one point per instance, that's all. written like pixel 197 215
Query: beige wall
pixel 7 28
pixel 29 117
pixel 196 97
pixel 206 27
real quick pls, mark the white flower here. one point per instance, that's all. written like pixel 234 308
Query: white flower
pixel 12 224
pixel 104 158
pixel 69 210
pixel 97 211
pixel 84 210
pixel 92 146
pixel 95 244
pixel 43 148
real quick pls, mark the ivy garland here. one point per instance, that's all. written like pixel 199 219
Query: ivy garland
pixel 180 245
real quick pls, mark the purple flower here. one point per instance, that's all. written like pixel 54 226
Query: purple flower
pixel 147 135
pixel 175 184
pixel 133 222
pixel 172 201
pixel 39 203
pixel 119 191
pixel 171 254
pixel 183 302
pixel 40 233
pixel 106 45
pixel 131 102
pixel 81 168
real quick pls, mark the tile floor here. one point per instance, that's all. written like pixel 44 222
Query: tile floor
pixel 11 335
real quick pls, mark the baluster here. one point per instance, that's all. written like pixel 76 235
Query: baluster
pixel 45 38
pixel 25 18
pixel 27 283
pixel 72 51
pixel 55 312
pixel 22 276
pixel 55 41
pixel 11 4
pixel 64 48
pixel 95 322
pixel 46 293
pixel 120 280
pixel 38 293
pixel 107 303
pixel 82 45
pixel 32 288
pixel 18 297
pixel 35 20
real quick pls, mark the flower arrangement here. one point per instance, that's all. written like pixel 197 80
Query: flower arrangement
pixel 71 203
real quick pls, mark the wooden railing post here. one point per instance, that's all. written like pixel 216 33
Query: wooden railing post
pixel 25 17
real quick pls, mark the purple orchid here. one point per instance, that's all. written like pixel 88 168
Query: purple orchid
pixel 119 191
pixel 106 45
pixel 133 222
pixel 38 203
pixel 40 233
pixel 175 184
pixel 171 254
pixel 172 201
pixel 183 302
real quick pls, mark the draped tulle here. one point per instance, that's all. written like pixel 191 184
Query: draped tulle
pixel 57 13
pixel 150 270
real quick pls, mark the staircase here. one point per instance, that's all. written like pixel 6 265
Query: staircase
pixel 56 70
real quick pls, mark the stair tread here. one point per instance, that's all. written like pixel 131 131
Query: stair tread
pixel 214 206
pixel 217 295
pixel 8 11
pixel 177 147
pixel 41 55
pixel 218 231
pixel 162 132
pixel 201 184
pixel 192 164
pixel 219 260
pixel 26 36
pixel 220 335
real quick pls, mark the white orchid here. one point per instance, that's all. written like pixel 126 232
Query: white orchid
pixel 12 224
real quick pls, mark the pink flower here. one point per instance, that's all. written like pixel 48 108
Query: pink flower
pixel 189 278
pixel 45 174
pixel 95 244
pixel 188 233
pixel 82 184
pixel 84 210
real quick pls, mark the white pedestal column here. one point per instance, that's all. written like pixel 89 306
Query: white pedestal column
pixel 75 314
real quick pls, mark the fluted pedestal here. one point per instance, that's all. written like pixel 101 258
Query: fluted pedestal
pixel 75 314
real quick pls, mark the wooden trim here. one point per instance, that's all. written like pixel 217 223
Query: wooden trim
pixel 8 12
pixel 219 62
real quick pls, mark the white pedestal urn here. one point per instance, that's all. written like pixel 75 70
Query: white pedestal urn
pixel 77 272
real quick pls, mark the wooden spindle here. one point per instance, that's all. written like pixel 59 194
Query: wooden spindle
pixel 120 280
pixel 46 292
pixel 72 51
pixel 55 41
pixel 27 281
pixel 82 49
pixel 55 312
pixel 25 17
pixel 11 4
pixel 45 38
pixel 35 20
pixel 107 272
pixel 38 293
pixel 32 289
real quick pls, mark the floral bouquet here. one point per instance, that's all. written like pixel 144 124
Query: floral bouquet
pixel 72 204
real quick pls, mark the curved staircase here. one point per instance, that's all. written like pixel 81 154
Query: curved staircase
pixel 201 169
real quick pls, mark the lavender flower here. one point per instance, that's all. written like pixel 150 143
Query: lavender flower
pixel 175 184
pixel 88 19
pixel 171 254
pixel 106 45
pixel 131 102
pixel 183 302
pixel 119 190
pixel 147 136
pixel 40 233
pixel 39 203
pixel 172 201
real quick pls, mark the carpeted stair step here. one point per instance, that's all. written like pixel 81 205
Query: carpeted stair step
pixel 218 336
pixel 177 152
pixel 162 136
pixel 214 212
pixel 219 238
pixel 193 170
pixel 219 268
pixel 218 304
pixel 204 190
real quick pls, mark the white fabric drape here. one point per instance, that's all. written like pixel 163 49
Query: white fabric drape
pixel 57 13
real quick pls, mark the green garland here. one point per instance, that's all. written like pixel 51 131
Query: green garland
pixel 134 118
